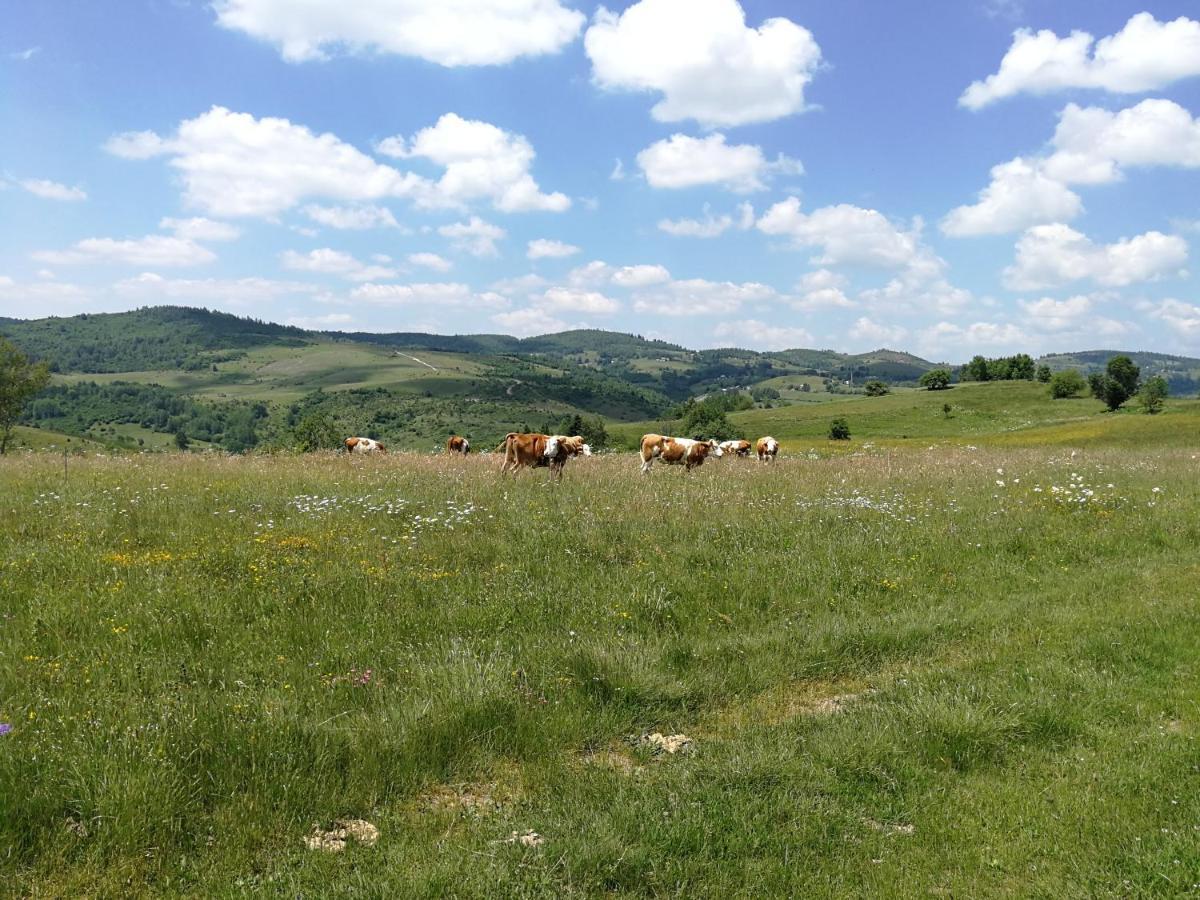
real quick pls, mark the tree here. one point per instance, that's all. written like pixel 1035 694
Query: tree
pixel 317 431
pixel 181 439
pixel 20 381
pixel 1020 367
pixel 1119 382
pixel 876 388
pixel 839 430
pixel 976 370
pixel 1152 395
pixel 1067 383
pixel 1044 374
pixel 935 380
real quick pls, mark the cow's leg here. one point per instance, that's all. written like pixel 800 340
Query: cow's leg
pixel 647 462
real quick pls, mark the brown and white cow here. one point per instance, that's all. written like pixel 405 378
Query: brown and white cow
pixel 458 444
pixel 538 450
pixel 767 447
pixel 737 448
pixel 676 451
pixel 363 445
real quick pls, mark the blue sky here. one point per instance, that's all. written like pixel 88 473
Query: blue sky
pixel 949 177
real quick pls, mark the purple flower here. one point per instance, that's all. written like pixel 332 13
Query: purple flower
pixel 5 728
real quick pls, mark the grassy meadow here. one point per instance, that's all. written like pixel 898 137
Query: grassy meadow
pixel 905 672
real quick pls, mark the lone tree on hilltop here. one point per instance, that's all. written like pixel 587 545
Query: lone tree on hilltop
pixel 20 381
pixel 935 380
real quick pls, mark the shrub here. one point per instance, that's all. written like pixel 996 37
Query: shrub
pixel 1067 383
pixel 839 430
pixel 935 380
pixel 876 388
pixel 1152 395
pixel 1044 374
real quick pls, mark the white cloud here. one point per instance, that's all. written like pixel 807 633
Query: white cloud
pixel 1053 255
pixel 960 341
pixel 201 229
pixel 151 288
pixel 1144 55
pixel 544 248
pixel 52 190
pixel 475 236
pixel 153 251
pixel 699 297
pixel 877 334
pixel 233 164
pixel 756 335
pixel 25 55
pixel 435 295
pixel 846 235
pixel 529 321
pixel 522 284
pixel 334 262
pixel 1092 144
pixel 328 322
pixel 559 298
pixel 352 218
pixel 592 274
pixel 448 32
pixel 1020 195
pixel 430 261
pixel 21 300
pixel 1048 314
pixel 710 226
pixel 640 276
pixel 618 172
pixel 1182 317
pixel 681 161
pixel 704 60
pixel 481 161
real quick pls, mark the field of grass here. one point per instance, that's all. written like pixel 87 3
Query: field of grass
pixel 904 672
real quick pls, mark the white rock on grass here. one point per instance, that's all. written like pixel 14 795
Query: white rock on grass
pixel 333 840
pixel 667 743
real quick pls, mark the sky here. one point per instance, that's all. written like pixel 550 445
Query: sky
pixel 947 177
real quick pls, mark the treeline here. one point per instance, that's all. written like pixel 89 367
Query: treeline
pixel 1019 367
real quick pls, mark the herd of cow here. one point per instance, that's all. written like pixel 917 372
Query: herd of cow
pixel 552 451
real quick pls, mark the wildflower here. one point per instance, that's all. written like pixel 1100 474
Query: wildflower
pixel 5 728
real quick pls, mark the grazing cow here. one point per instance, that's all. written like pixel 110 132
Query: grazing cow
pixel 363 445
pixel 738 448
pixel 676 451
pixel 767 447
pixel 538 450
pixel 458 444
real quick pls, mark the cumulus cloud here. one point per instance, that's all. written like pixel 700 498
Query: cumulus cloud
pixel 1182 317
pixel 521 284
pixel 575 300
pixel 640 276
pixel 481 161
pixel 474 236
pixel 351 218
pixel 819 290
pixel 1144 55
pixel 681 161
pixel 430 261
pixel 150 287
pixel 334 262
pixel 434 295
pixel 704 60
pixel 530 321
pixel 756 335
pixel 1020 195
pixel 962 340
pixel 448 32
pixel 1053 255
pixel 152 251
pixel 845 234
pixel 878 334
pixel 52 190
pixel 201 229
pixel 544 248
pixel 17 297
pixel 700 297
pixel 710 226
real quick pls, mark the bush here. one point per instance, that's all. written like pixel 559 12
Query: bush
pixel 1152 395
pixel 1044 374
pixel 876 388
pixel 935 380
pixel 839 430
pixel 1067 383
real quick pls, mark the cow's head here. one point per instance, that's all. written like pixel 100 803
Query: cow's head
pixel 715 448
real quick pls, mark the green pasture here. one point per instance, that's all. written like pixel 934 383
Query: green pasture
pixel 904 672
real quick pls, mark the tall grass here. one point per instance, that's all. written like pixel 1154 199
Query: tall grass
pixel 904 673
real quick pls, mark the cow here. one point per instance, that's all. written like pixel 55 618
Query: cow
pixel 363 445
pixel 675 451
pixel 767 447
pixel 538 450
pixel 458 444
pixel 738 448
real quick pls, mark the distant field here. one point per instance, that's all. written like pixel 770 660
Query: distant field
pixel 1014 413
pixel 904 672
